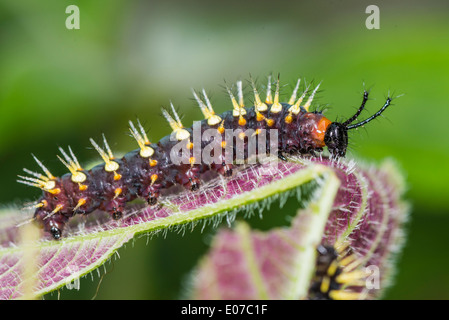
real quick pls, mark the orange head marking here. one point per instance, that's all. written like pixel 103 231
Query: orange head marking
pixel 319 131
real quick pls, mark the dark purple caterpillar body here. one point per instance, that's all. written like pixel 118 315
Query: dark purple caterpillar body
pixel 177 159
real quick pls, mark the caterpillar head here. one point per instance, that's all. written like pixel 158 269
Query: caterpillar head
pixel 336 139
pixel 336 135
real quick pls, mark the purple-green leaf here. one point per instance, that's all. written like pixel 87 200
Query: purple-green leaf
pixel 366 213
pixel 31 264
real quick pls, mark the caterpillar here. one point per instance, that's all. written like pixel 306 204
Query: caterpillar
pixel 287 128
pixel 338 275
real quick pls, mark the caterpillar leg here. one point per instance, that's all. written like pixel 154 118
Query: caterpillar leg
pixel 152 198
pixel 115 208
pixel 55 232
pixel 225 170
pixel 281 156
pixel 189 177
pixel 152 193
pixel 194 184
pixel 193 175
pixel 52 223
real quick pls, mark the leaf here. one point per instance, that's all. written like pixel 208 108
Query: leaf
pixel 365 210
pixel 90 241
pixel 365 213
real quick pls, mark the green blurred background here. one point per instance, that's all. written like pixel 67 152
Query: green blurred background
pixel 59 87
